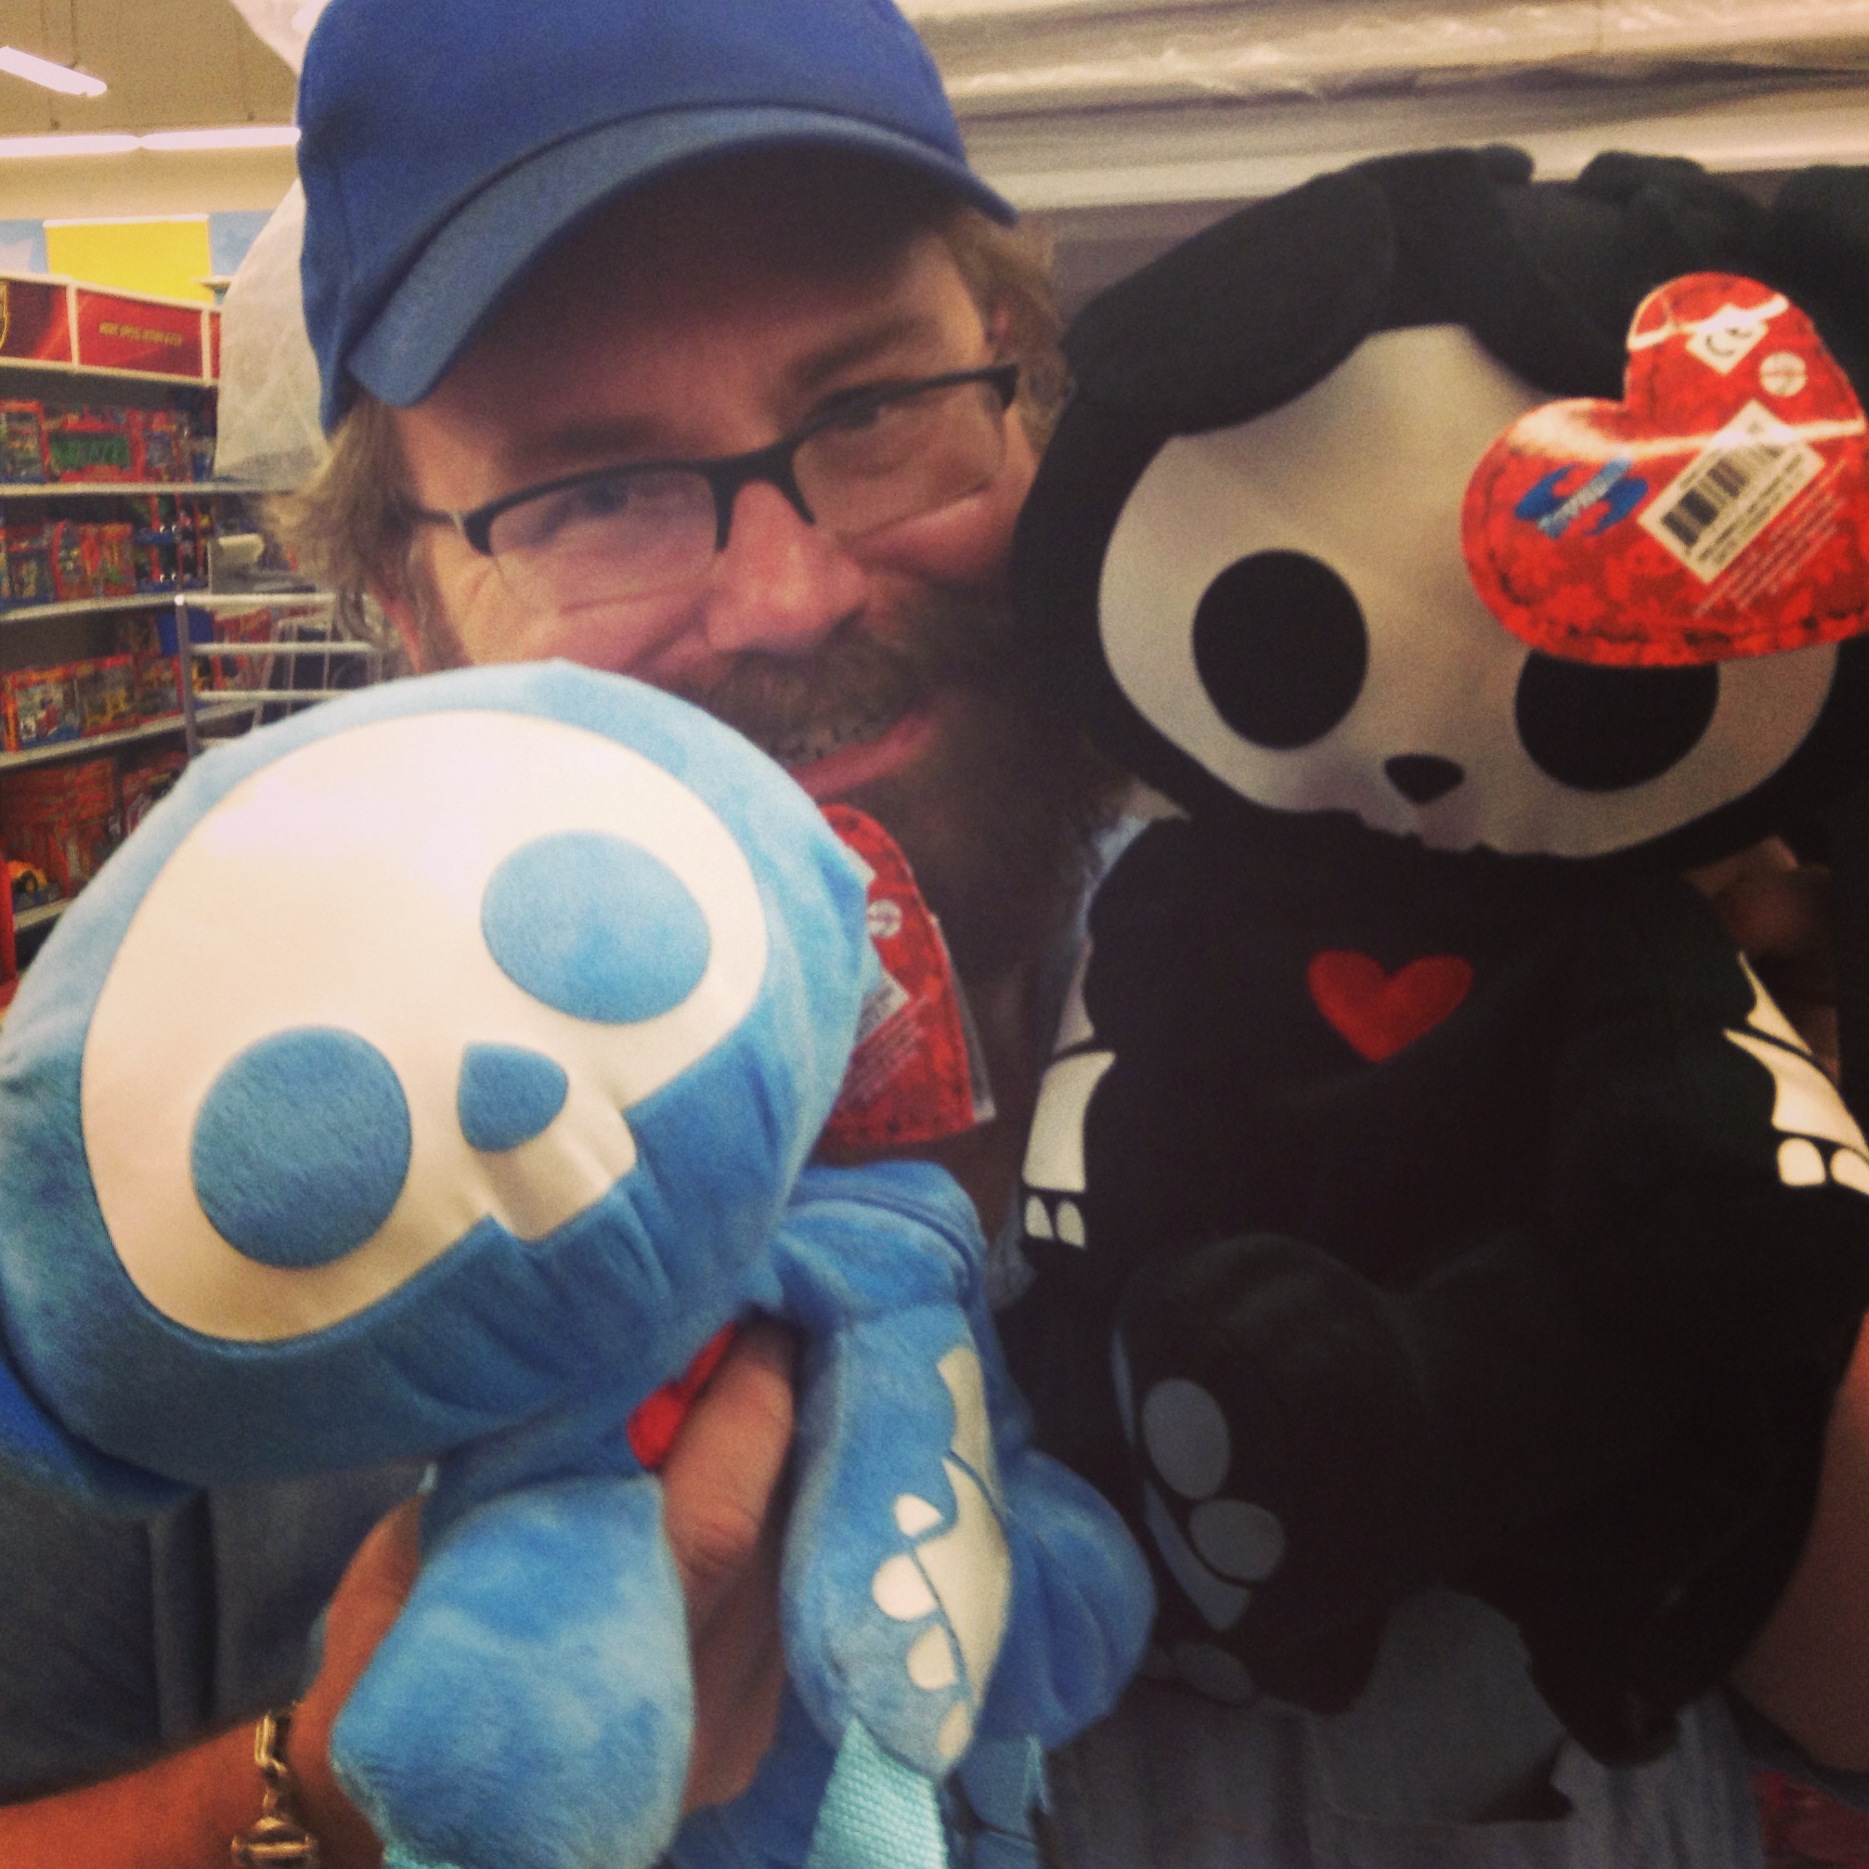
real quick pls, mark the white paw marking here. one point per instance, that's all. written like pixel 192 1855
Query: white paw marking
pixel 1850 1171
pixel 1213 1672
pixel 1229 1543
pixel 1239 1540
pixel 901 1591
pixel 916 1516
pixel 964 1573
pixel 1807 1110
pixel 931 1661
pixel 1185 1435
pixel 1054 1156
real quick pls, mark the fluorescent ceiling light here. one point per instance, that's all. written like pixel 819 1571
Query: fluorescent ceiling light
pixel 53 77
pixel 66 146
pixel 240 136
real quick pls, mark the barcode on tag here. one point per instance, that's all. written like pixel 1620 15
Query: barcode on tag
pixel 1730 492
pixel 880 1004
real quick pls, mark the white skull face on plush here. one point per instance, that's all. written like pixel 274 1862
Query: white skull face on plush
pixel 425 1062
pixel 280 1136
pixel 1285 601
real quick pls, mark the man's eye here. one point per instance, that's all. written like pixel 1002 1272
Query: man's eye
pixel 877 433
pixel 597 499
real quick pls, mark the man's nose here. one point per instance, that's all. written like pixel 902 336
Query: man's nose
pixel 781 585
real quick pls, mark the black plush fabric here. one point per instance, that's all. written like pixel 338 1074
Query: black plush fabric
pixel 1586 1359
pixel 1526 1299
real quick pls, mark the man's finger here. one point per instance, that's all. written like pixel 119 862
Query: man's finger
pixel 721 1478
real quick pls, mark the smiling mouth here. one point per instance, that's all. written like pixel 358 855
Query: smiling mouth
pixel 835 762
pixel 806 745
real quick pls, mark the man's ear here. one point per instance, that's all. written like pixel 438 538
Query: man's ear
pixel 35 1446
pixel 400 610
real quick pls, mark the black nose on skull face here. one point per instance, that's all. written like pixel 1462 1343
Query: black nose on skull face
pixel 1421 778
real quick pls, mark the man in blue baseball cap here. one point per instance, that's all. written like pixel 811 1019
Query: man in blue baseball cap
pixel 730 252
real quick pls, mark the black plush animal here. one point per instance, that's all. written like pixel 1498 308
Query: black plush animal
pixel 1447 1196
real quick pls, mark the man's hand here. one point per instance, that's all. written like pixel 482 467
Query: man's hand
pixel 368 1600
pixel 724 1519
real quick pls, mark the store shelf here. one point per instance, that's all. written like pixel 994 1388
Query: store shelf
pixel 207 714
pixel 38 918
pixel 92 606
pixel 111 489
pixel 166 600
pixel 35 366
pixel 256 600
pixel 303 645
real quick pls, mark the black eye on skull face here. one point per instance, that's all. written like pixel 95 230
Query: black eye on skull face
pixel 1606 729
pixel 1281 647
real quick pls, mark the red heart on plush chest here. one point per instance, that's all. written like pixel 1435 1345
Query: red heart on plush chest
pixel 1379 1012
pixel 1721 509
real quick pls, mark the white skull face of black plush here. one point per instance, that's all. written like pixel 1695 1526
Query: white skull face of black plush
pixel 1287 603
pixel 1243 556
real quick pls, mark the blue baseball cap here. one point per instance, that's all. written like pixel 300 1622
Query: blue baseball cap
pixel 446 143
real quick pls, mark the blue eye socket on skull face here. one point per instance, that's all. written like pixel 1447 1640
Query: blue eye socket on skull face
pixel 595 927
pixel 1606 729
pixel 1281 647
pixel 301 1147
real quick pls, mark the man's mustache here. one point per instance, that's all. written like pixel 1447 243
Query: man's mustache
pixel 853 679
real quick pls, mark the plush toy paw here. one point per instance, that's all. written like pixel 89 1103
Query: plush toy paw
pixel 899 1578
pixel 951 1586
pixel 1280 1448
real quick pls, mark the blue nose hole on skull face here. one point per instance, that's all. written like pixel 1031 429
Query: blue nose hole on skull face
pixel 595 927
pixel 1421 778
pixel 508 1095
pixel 301 1147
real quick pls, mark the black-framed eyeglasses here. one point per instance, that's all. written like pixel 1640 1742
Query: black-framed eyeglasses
pixel 654 526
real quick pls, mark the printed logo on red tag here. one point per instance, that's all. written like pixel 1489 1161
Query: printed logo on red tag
pixel 915 1074
pixel 1721 509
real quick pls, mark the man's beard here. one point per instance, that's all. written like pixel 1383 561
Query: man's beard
pixel 999 818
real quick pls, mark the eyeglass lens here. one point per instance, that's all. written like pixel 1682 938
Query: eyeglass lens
pixel 638 531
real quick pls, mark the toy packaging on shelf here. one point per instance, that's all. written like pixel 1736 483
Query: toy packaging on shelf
pixel 29 886
pixel 146 777
pixel 22 441
pixel 168 547
pixel 89 444
pixel 107 694
pixel 235 673
pixel 92 560
pixel 63 819
pixel 41 706
pixel 29 562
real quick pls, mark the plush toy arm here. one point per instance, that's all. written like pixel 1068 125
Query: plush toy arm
pixel 897 1576
pixel 1082 1604
pixel 927 1533
pixel 531 1708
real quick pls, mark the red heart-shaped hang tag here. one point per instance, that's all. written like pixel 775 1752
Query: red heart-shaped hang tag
pixel 1721 509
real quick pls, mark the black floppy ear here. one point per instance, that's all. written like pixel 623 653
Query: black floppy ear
pixel 1820 233
pixel 1243 317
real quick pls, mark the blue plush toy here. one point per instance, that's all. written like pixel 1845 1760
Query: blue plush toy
pixel 435 1074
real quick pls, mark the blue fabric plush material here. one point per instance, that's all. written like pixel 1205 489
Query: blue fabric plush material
pixel 520 998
